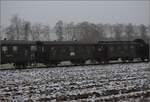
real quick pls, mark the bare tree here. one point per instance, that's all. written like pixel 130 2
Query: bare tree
pixel 13 31
pixel 26 30
pixel 88 32
pixel 1 33
pixel 35 31
pixel 129 31
pixel 10 33
pixel 40 32
pixel 118 29
pixel 59 30
pixel 143 32
pixel 16 24
pixel 70 31
pixel 46 32
pixel 101 31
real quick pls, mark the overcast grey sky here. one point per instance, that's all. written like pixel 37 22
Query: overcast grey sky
pixel 49 12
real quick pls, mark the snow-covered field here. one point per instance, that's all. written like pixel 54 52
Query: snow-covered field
pixel 117 82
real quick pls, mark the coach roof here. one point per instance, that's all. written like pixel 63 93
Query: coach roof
pixel 12 42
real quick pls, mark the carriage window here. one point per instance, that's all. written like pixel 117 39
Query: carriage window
pixel 64 49
pixel 88 49
pixel 42 49
pixel 15 48
pixel 52 48
pixel 111 49
pixel 120 48
pixel 100 48
pixel 125 48
pixel 71 49
pixel 141 45
pixel 4 48
pixel 131 47
pixel 33 48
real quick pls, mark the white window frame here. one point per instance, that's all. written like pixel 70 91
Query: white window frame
pixel 4 48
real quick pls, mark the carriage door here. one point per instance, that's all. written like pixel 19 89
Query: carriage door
pixel 101 52
pixel 39 53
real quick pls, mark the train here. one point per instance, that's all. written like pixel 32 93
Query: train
pixel 23 53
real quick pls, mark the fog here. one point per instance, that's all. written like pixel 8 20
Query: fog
pixel 49 12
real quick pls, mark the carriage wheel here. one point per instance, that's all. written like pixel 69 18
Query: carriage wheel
pixel 142 59
pixel 130 60
pixel 20 65
pixel 48 64
pixel 76 62
pixel 123 59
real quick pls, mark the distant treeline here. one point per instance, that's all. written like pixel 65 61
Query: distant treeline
pixel 20 29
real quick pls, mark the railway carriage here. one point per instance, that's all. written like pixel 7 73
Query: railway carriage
pixel 20 53
pixel 75 52
pixel 124 50
pixel 23 53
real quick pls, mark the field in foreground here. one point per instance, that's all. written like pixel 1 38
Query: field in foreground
pixel 114 83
